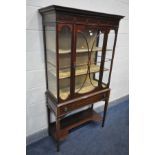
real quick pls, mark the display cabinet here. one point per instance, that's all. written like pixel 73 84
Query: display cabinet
pixel 79 51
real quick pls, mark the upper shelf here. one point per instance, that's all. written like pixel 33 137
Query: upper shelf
pixel 80 71
pixel 65 73
pixel 82 50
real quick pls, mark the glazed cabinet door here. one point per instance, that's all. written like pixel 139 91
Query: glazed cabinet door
pixel 94 53
pixel 90 51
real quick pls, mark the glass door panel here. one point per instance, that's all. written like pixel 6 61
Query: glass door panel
pixel 50 38
pixel 89 43
pixel 108 56
pixel 64 38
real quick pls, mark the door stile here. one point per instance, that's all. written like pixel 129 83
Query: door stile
pixel 73 59
pixel 57 60
pixel 105 39
pixel 113 54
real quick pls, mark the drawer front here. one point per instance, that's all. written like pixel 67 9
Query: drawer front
pixel 64 109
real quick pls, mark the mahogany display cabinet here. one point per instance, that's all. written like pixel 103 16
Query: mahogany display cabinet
pixel 79 51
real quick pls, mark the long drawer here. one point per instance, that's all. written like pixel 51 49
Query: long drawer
pixel 74 104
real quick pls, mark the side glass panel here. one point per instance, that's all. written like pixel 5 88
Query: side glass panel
pixel 108 57
pixel 64 42
pixel 50 37
pixel 88 47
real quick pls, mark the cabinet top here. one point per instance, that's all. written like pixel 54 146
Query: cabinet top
pixel 74 11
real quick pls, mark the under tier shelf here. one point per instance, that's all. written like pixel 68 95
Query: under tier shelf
pixel 74 121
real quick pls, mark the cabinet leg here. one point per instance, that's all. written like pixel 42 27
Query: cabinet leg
pixel 105 111
pixel 57 134
pixel 58 146
pixel 48 116
pixel 92 106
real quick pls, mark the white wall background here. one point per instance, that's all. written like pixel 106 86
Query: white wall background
pixel 36 118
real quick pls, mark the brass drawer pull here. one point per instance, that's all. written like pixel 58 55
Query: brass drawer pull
pixel 65 109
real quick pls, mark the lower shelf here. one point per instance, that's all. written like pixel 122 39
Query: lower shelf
pixel 87 87
pixel 73 121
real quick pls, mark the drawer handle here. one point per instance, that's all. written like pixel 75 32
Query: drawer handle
pixel 65 109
